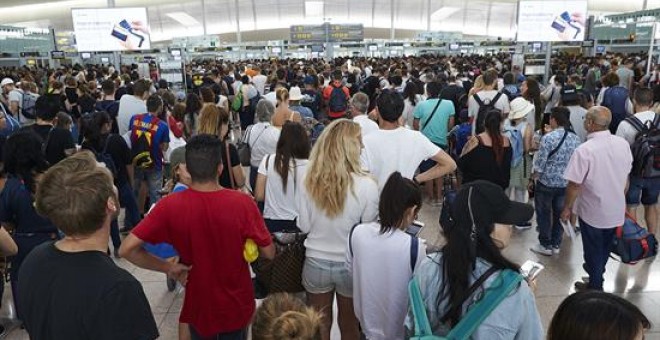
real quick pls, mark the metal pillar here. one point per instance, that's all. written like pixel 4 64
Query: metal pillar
pixel 653 37
pixel 392 20
pixel 204 16
pixel 116 57
pixel 428 16
pixel 238 29
pixel 548 58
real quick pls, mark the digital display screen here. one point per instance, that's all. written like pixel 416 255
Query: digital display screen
pixel 552 20
pixel 111 29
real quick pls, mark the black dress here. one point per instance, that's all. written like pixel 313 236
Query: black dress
pixel 480 163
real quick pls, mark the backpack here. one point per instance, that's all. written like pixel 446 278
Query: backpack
pixel 105 158
pixel 338 101
pixel 28 104
pixel 646 148
pixel 141 140
pixel 315 132
pixel 484 107
pixel 462 134
pixel 511 91
pixel 517 145
pixel 615 99
pixel 632 242
pixel 504 284
pixel 237 103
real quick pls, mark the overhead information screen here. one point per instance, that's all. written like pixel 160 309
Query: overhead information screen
pixel 302 34
pixel 552 20
pixel 111 29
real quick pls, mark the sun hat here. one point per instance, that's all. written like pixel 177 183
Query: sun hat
pixel 295 94
pixel 520 107
pixel 6 81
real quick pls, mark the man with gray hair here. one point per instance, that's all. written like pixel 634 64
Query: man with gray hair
pixel 261 137
pixel 598 173
pixel 358 107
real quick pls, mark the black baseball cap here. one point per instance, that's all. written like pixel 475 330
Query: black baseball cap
pixel 491 205
pixel 569 93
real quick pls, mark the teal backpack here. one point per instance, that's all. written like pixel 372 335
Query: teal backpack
pixel 505 282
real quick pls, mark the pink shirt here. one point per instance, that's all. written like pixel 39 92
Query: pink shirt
pixel 601 166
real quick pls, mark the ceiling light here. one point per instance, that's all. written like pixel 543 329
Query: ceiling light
pixel 184 19
pixel 313 8
pixel 444 13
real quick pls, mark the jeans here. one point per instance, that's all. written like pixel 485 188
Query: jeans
pixel 154 179
pixel 549 203
pixel 596 243
pixel 236 335
pixel 114 234
pixel 127 201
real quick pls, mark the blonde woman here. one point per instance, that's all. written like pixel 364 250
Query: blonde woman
pixel 214 120
pixel 281 316
pixel 336 195
pixel 478 86
pixel 282 112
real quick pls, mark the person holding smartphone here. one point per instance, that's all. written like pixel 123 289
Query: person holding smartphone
pixel 454 279
pixel 380 294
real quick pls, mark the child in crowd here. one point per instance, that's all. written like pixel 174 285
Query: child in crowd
pixel 284 317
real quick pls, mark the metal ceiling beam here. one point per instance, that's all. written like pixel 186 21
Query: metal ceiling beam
pixel 254 13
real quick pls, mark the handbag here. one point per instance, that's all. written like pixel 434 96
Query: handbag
pixel 244 148
pixel 449 195
pixel 504 283
pixel 633 243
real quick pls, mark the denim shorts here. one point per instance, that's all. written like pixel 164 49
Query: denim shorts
pixel 323 276
pixel 644 190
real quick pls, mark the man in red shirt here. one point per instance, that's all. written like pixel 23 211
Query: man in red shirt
pixel 208 225
pixel 336 95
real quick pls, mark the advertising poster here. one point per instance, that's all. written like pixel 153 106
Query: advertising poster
pixel 552 20
pixel 111 29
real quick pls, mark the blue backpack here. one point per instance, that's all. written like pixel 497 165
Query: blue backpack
pixel 462 134
pixel 615 99
pixel 517 145
pixel 338 101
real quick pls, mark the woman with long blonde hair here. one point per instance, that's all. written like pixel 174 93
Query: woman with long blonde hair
pixel 214 120
pixel 282 112
pixel 336 195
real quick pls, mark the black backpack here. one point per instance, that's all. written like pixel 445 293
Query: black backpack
pixel 646 148
pixel 338 101
pixel 484 107
pixel 141 140
pixel 105 158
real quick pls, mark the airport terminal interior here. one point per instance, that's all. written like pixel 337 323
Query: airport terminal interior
pixel 329 169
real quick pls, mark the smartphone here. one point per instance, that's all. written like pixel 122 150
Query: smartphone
pixel 563 25
pixel 415 228
pixel 530 270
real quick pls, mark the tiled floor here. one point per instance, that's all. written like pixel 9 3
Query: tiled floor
pixel 639 284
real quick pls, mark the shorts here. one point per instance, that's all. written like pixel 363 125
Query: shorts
pixel 323 276
pixel 644 190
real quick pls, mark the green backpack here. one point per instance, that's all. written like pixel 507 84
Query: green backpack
pixel 237 103
pixel 505 282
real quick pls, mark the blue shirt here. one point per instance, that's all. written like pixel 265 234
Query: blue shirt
pixel 516 317
pixel 305 112
pixel 437 129
pixel 551 170
pixel 156 134
pixel 17 208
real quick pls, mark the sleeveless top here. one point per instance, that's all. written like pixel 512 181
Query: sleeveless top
pixel 480 163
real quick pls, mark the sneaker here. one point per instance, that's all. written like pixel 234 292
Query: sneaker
pixel 541 250
pixel 117 253
pixel 583 287
pixel 524 226
pixel 556 250
pixel 125 230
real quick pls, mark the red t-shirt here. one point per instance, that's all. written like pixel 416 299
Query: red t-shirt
pixel 209 230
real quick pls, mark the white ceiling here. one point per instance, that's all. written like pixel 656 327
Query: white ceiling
pixel 474 17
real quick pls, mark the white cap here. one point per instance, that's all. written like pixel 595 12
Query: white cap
pixel 295 94
pixel 6 81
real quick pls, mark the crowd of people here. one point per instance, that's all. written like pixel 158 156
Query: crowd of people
pixel 339 158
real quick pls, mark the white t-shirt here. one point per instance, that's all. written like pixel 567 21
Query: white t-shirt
pixel 328 236
pixel 278 204
pixel 485 96
pixel 129 106
pixel 259 81
pixel 380 292
pixel 368 126
pixel 401 149
pixel 262 138
pixel 628 132
pixel 408 109
pixel 577 121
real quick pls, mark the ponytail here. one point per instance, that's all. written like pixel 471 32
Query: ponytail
pixel 492 124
